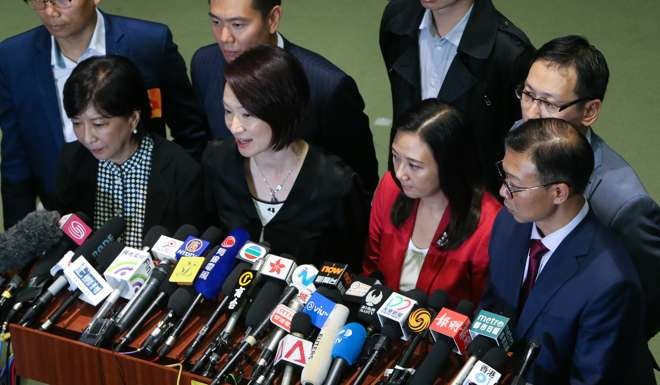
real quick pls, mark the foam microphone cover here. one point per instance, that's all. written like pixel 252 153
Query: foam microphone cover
pixel 28 238
pixel 210 280
pixel 153 234
pixel 185 231
pixel 166 287
pixel 264 302
pixel 101 238
pixel 213 235
pixel 480 345
pixel 349 342
pixel 427 372
pixel 232 278
pixel 437 300
pixel 108 254
pixel 301 324
pixel 495 357
pixel 465 307
pixel 330 294
pixel 181 300
pixel 417 295
pixel 318 365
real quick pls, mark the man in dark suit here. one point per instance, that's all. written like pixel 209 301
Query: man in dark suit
pixel 34 66
pixel 465 53
pixel 336 121
pixel 566 277
pixel 568 80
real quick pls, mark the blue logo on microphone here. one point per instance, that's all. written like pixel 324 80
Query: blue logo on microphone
pixel 318 309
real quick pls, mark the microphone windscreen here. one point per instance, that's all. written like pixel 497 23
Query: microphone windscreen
pixel 427 372
pixel 167 287
pixel 438 299
pixel 391 329
pixel 480 345
pixel 185 231
pixel 264 302
pixel 108 254
pixel 28 238
pixel 378 276
pixel 181 300
pixel 301 324
pixel 213 235
pixel 232 278
pixel 330 294
pixel 417 295
pixel 349 342
pixel 465 307
pixel 318 365
pixel 153 234
pixel 101 237
pixel 495 358
pixel 215 271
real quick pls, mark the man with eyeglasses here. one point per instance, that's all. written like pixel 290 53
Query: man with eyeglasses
pixel 567 80
pixel 566 279
pixel 34 66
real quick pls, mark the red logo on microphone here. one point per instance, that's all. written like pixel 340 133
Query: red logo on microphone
pixel 277 266
pixel 75 228
pixel 228 242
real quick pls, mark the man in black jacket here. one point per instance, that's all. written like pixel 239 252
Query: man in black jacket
pixel 335 122
pixel 465 53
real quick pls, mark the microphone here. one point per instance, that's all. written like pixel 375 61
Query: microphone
pixel 210 280
pixel 318 308
pixel 88 282
pixel 346 351
pixel 75 227
pixel 488 370
pixel 15 282
pixel 434 362
pixel 334 276
pixel 479 346
pixel 132 310
pixel 454 325
pixel 165 289
pixel 318 365
pixel 256 320
pixel 295 349
pixel 419 322
pixel 493 326
pixel 165 249
pixel 231 284
pixel 27 239
pixel 372 301
pixel 91 248
pixel 176 307
pixel 531 353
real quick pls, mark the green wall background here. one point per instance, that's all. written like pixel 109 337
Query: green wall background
pixel 346 32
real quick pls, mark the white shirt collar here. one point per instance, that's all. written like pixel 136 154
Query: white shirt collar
pixel 280 40
pixel 554 239
pixel 96 45
pixel 454 35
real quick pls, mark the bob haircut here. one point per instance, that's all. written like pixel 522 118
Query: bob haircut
pixel 112 84
pixel 443 129
pixel 271 84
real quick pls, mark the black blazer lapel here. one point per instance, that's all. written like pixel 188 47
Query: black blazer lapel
pixel 459 80
pixel 159 194
pixel 561 267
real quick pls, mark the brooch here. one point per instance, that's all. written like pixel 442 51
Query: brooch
pixel 443 240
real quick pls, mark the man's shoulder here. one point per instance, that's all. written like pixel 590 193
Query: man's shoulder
pixel 132 25
pixel 18 45
pixel 401 16
pixel 206 61
pixel 313 63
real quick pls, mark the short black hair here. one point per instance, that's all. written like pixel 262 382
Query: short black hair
pixel 271 84
pixel 443 128
pixel 112 84
pixel 559 151
pixel 590 64
pixel 264 6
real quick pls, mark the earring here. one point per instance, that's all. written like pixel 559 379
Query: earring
pixel 134 131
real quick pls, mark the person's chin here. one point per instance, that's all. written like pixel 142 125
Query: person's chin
pixel 230 56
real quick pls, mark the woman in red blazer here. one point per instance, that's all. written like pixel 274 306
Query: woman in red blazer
pixel 431 221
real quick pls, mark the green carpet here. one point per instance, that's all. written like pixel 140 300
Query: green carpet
pixel 346 32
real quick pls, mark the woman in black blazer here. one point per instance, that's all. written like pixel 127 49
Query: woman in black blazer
pixel 115 168
pixel 272 183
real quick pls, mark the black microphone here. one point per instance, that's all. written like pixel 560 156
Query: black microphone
pixel 478 347
pixel 301 327
pixel 15 282
pixel 228 287
pixel 176 307
pixel 434 362
pixel 28 238
pixel 134 308
pixel 346 351
pixel 488 370
pixel 165 290
pixel 108 254
pixel 531 353
pixel 90 250
pixel 256 319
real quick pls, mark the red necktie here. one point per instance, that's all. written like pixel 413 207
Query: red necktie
pixel 536 251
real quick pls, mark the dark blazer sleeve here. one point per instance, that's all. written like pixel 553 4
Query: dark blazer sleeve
pixel 356 218
pixel 180 107
pixel 18 187
pixel 638 224
pixel 75 183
